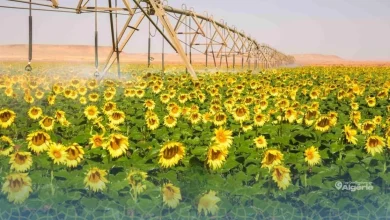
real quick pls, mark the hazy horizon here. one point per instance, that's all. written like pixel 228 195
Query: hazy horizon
pixel 350 29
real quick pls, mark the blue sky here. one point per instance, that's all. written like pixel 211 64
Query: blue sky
pixel 351 29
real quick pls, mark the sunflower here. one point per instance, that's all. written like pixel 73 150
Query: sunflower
pixel 75 83
pixel 82 90
pixel 312 157
pixel 367 127
pixel 223 137
pixel 170 121
pixel 371 101
pixel 272 158
pixel 108 95
pixel 382 94
pixel 113 127
pixel 208 203
pixel 137 181
pixel 34 113
pixel 375 144
pixel 171 195
pixel 182 98
pixel 377 120
pixel 91 112
pixel 290 115
pixel 152 122
pixel 260 142
pixel 216 156
pixel 175 111
pixel 350 134
pixel 75 155
pixel 259 119
pixel 341 94
pixel 18 187
pixel 117 145
pixel 274 92
pixel 388 142
pixel 96 141
pixel 3 150
pixel 263 104
pixel 187 111
pixel 58 153
pixel 314 94
pixel 283 104
pixel 57 89
pixel 281 176
pixel 201 97
pixel 39 94
pixel 34 84
pixel 60 116
pixel 194 108
pixel 156 89
pixel 247 127
pixel 310 116
pixel 195 117
pixel 164 98
pixel 7 117
pixel 355 116
pixel 109 107
pixel 333 118
pixel 229 104
pixel 38 141
pixel 95 179
pixel 51 99
pixel 47 123
pixel 241 113
pixel 129 93
pixel 83 100
pixel 9 92
pixel 93 97
pixel 257 109
pixel 65 123
pixel 215 108
pixel 140 93
pixel 92 84
pixel 315 105
pixel 149 104
pixel 220 118
pixel 354 106
pixel 117 117
pixel 149 114
pixel 171 153
pixel 207 117
pixel 249 100
pixel 323 123
pixel 29 99
pixel 20 161
pixel 68 93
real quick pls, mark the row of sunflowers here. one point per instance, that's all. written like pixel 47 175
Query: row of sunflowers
pixel 229 144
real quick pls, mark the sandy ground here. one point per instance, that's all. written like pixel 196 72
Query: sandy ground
pixel 79 53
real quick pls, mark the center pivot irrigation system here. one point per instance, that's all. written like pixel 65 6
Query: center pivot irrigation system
pixel 183 29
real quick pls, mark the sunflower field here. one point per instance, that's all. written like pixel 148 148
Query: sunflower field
pixel 231 145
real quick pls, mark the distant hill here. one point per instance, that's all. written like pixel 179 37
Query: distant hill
pixel 86 53
pixel 317 58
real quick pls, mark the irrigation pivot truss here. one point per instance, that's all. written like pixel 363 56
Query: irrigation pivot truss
pixel 183 29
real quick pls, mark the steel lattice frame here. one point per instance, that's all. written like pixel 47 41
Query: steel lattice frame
pixel 206 35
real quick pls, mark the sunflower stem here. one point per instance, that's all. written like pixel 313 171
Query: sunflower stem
pixel 51 179
pixel 281 129
pixel 269 187
pixel 384 173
